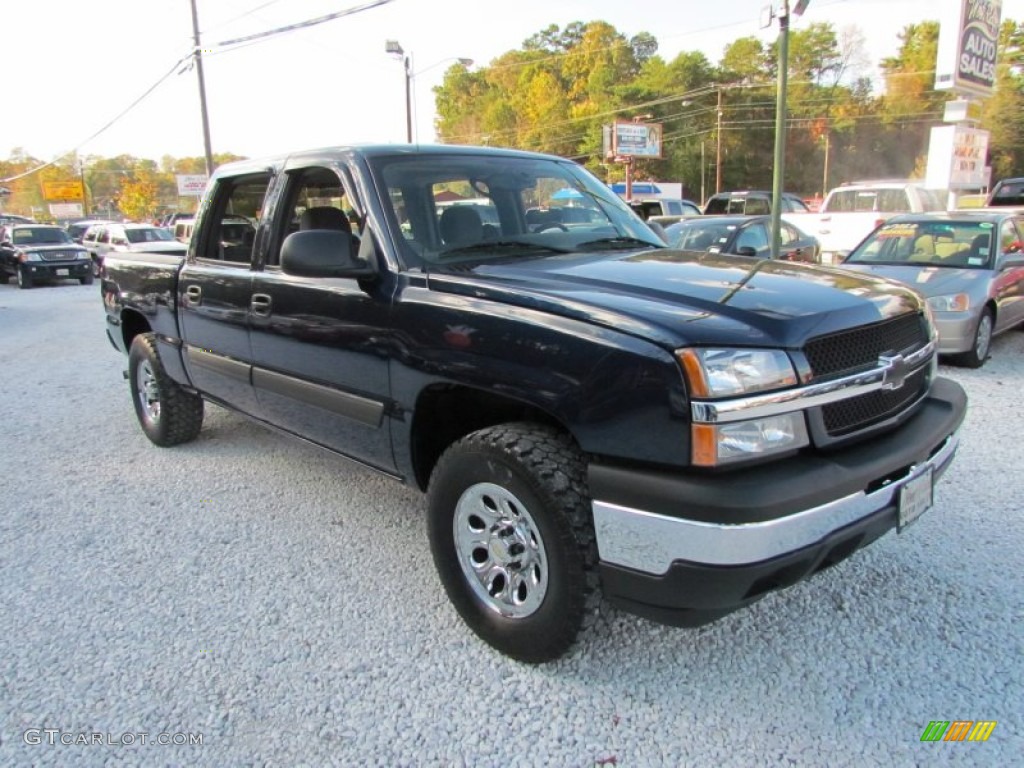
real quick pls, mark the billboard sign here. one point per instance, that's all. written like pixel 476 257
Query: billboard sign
pixel 956 158
pixel 58 191
pixel 191 185
pixel 637 139
pixel 968 43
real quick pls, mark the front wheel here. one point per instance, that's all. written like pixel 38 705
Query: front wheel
pixel 24 279
pixel 976 356
pixel 168 414
pixel 512 538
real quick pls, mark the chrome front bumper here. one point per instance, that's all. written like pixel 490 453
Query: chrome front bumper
pixel 649 542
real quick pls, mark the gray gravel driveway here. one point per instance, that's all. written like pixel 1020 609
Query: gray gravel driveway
pixel 281 606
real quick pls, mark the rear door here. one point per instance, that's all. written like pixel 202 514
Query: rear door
pixel 214 293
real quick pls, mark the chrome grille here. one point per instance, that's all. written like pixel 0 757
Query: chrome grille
pixel 65 254
pixel 847 352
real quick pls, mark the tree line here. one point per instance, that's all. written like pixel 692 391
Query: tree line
pixel 556 92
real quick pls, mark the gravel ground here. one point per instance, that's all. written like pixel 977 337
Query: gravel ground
pixel 282 605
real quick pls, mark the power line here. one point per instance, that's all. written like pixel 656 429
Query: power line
pixel 304 24
pixel 121 114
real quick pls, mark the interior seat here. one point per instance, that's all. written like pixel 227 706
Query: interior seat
pixel 460 225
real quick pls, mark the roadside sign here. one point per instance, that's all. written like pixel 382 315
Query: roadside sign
pixel 66 210
pixel 637 139
pixel 70 189
pixel 191 185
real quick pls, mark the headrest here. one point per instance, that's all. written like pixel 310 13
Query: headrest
pixel 461 224
pixel 324 217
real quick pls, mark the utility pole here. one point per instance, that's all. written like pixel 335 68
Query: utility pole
pixel 779 173
pixel 718 147
pixel 197 53
pixel 780 130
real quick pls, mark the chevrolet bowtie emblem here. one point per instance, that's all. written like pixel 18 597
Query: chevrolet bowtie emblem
pixel 894 371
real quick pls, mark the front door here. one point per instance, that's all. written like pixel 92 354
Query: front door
pixel 319 345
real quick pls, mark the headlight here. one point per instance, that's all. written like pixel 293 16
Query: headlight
pixel 83 255
pixel 30 256
pixel 728 372
pixel 957 302
pixel 717 444
pixel 723 373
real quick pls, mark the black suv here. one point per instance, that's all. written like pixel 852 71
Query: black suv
pixel 37 252
pixel 752 203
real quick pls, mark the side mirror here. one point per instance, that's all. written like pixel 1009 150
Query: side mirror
pixel 746 250
pixel 322 253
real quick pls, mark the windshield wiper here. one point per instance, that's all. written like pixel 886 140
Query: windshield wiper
pixel 499 246
pixel 613 243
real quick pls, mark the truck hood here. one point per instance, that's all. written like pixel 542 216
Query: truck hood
pixel 675 298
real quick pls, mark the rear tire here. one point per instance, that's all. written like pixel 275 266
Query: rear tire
pixel 167 413
pixel 512 537
pixel 87 280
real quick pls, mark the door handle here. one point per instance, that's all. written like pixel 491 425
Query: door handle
pixel 259 304
pixel 194 294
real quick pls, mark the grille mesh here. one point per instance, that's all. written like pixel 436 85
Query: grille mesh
pixel 845 352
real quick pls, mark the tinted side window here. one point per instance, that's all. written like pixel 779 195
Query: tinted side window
pixel 717 205
pixel 235 201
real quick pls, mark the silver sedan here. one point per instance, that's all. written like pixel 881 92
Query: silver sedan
pixel 969 265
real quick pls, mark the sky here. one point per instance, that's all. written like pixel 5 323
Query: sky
pixel 71 66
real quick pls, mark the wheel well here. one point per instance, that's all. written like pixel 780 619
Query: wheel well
pixel 448 413
pixel 132 324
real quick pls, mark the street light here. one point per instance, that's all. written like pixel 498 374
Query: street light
pixel 395 49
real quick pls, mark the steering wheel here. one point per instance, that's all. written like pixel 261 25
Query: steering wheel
pixel 551 225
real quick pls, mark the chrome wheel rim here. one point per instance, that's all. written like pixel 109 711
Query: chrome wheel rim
pixel 148 392
pixel 984 337
pixel 500 550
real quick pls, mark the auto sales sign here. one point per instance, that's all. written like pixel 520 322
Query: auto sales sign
pixel 968 43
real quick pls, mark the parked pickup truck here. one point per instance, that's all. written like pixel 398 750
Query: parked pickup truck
pixel 589 412
pixel 852 211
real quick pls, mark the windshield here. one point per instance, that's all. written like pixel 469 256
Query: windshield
pixel 482 207
pixel 39 236
pixel 929 243
pixel 700 235
pixel 147 235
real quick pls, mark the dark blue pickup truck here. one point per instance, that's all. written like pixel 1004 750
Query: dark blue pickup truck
pixel 589 412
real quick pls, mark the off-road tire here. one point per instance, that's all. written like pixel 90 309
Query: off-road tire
pixel 537 474
pixel 167 413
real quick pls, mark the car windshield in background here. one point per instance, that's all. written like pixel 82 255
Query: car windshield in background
pixel 699 235
pixel 148 235
pixel 464 207
pixel 940 244
pixel 39 236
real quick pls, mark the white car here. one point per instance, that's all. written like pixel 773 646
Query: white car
pixel 100 239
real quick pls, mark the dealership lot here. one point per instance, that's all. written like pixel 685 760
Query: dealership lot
pixel 281 604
